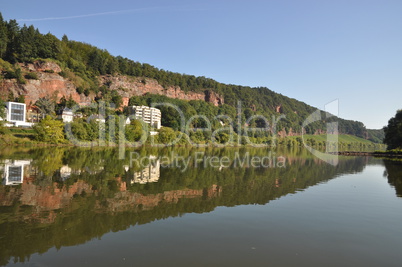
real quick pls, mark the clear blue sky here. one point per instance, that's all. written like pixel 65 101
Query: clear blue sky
pixel 314 51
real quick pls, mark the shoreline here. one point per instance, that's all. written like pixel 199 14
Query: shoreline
pixel 373 154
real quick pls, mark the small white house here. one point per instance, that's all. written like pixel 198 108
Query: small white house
pixel 67 115
pixel 16 114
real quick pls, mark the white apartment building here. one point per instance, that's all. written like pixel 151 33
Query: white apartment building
pixel 149 115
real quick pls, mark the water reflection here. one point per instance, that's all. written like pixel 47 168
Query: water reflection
pixel 149 174
pixel 393 171
pixel 14 171
pixel 62 197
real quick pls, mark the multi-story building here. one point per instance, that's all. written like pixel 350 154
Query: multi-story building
pixel 16 114
pixel 149 115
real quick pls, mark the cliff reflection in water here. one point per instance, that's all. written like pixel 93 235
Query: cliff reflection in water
pixel 63 197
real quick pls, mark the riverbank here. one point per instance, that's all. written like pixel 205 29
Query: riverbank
pixel 386 154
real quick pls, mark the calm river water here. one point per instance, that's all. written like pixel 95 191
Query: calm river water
pixel 193 207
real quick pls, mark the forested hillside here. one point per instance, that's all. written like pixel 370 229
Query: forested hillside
pixel 21 44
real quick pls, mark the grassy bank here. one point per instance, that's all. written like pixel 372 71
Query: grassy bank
pixel 26 136
pixel 343 142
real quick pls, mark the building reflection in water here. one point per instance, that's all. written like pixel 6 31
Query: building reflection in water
pixel 14 171
pixel 65 172
pixel 149 174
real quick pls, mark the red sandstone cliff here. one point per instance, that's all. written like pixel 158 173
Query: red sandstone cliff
pixel 51 84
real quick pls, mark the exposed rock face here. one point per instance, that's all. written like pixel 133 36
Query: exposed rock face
pixel 41 66
pixel 51 84
pixel 213 98
pixel 279 109
pixel 135 86
pixel 48 85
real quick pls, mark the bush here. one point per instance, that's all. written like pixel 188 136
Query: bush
pixel 79 89
pixel 10 75
pixel 21 80
pixel 63 74
pixel 50 131
pixel 166 135
pixel 3 130
pixel 31 76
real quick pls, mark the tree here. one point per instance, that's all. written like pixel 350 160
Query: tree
pixel 166 135
pixel 2 109
pixel 393 132
pixel 20 99
pixel 136 101
pixel 134 131
pixel 116 99
pixel 3 37
pixel 45 106
pixel 50 131
pixel 79 130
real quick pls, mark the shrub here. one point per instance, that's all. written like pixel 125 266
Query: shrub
pixel 79 89
pixel 31 76
pixel 10 75
pixel 63 74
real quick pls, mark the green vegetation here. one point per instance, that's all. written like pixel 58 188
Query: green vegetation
pixel 393 132
pixel 83 63
pixel 345 142
pixel 2 110
pixel 50 131
pixel 31 76
pixel 16 136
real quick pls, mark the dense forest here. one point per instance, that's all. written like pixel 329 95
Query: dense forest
pixel 86 63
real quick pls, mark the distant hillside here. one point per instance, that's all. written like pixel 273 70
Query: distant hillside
pixel 88 73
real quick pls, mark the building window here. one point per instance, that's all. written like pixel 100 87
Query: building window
pixel 15 174
pixel 17 112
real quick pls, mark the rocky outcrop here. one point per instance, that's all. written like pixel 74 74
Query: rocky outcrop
pixel 136 86
pixel 51 84
pixel 214 98
pixel 41 66
pixel 48 85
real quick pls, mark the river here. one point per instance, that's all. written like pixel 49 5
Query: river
pixel 197 207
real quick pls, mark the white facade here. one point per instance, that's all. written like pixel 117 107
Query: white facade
pixel 67 115
pixel 14 171
pixel 149 115
pixel 16 114
pixel 149 174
